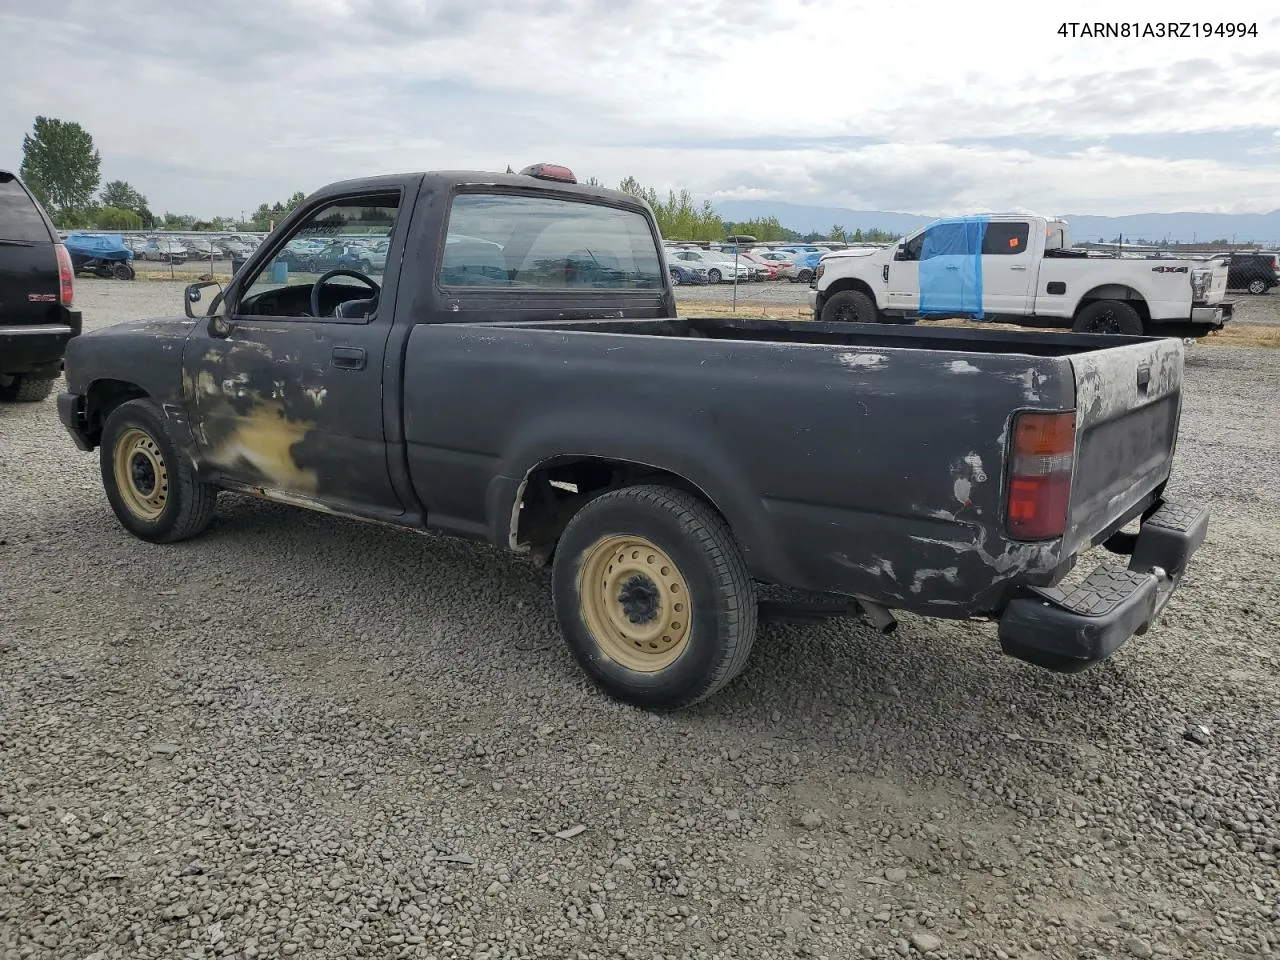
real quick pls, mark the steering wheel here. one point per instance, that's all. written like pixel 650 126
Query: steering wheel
pixel 325 277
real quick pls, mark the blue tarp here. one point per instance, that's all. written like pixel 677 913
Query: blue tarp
pixel 951 268
pixel 97 245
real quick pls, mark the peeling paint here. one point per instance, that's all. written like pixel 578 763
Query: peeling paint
pixel 975 464
pixel 863 361
pixel 949 574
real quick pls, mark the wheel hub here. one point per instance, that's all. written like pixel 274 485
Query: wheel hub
pixel 640 600
pixel 143 474
pixel 635 601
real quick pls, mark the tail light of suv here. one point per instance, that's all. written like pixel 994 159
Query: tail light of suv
pixel 66 276
pixel 1042 458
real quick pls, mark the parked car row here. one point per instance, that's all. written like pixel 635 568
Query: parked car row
pixel 720 263
pixel 365 254
pixel 174 249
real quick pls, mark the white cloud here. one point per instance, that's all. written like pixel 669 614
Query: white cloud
pixel 215 110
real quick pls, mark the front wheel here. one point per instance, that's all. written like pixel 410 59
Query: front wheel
pixel 714 276
pixel 850 306
pixel 653 597
pixel 150 485
pixel 675 279
pixel 1258 287
pixel 122 271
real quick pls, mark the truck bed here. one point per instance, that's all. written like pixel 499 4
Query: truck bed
pixel 864 460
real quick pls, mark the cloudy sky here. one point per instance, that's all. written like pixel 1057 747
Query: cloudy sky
pixel 934 108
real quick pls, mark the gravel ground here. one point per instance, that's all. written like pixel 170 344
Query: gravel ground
pixel 303 736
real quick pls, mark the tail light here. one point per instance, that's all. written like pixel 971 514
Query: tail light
pixel 66 276
pixel 1041 462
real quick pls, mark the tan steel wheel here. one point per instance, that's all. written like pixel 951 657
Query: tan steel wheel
pixel 635 602
pixel 141 475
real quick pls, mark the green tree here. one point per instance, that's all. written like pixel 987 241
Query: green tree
pixel 838 234
pixel 857 236
pixel 115 218
pixel 121 195
pixel 764 229
pixel 178 221
pixel 60 165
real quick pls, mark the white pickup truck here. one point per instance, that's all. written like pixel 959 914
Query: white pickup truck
pixel 1019 269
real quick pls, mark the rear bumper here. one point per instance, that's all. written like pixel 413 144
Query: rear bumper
pixel 36 347
pixel 1070 630
pixel 1214 316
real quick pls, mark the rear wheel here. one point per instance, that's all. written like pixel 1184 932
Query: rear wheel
pixel 1258 286
pixel 675 279
pixel 24 388
pixel 804 276
pixel 653 597
pixel 151 487
pixel 1109 316
pixel 122 271
pixel 850 306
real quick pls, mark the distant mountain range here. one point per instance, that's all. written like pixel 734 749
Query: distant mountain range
pixel 1261 228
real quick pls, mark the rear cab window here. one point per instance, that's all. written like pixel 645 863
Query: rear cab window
pixel 20 218
pixel 1006 238
pixel 523 242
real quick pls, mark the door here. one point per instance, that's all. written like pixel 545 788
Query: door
pixel 904 275
pixel 1007 268
pixel 950 278
pixel 290 400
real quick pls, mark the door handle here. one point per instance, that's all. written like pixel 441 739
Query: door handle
pixel 953 268
pixel 1016 267
pixel 348 358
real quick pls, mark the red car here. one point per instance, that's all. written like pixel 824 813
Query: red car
pixel 769 265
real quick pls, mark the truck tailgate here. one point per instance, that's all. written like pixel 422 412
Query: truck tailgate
pixel 1128 404
pixel 1217 282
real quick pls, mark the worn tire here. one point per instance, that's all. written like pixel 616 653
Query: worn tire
pixel 850 306
pixel 187 506
pixel 1108 316
pixel 23 388
pixel 721 625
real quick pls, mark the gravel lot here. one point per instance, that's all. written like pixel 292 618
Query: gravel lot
pixel 302 736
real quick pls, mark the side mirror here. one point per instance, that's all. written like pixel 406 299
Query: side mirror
pixel 218 323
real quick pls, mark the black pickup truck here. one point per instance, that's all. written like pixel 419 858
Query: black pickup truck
pixel 518 374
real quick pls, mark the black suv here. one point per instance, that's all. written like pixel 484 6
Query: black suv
pixel 1255 272
pixel 36 314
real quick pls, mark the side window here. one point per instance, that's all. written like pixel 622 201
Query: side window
pixel 911 249
pixel 341 235
pixel 1006 238
pixel 509 240
pixel 20 218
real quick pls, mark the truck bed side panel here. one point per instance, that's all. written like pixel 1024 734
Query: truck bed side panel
pixel 874 472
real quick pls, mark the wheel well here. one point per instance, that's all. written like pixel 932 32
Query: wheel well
pixel 556 489
pixel 849 283
pixel 1116 291
pixel 102 398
